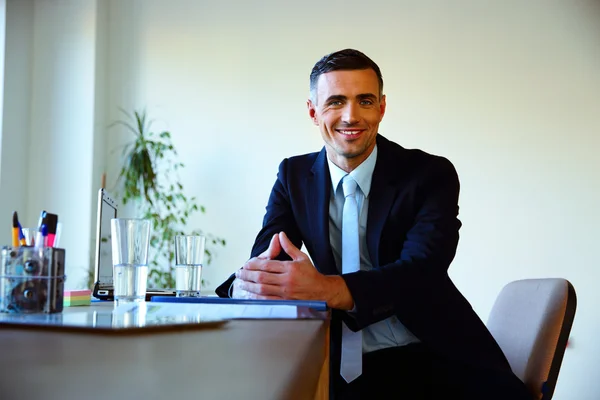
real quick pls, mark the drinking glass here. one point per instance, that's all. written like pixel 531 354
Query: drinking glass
pixel 130 241
pixel 189 255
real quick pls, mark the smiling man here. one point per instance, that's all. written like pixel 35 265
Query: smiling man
pixel 380 224
pixel 348 115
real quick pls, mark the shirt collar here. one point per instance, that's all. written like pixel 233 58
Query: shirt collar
pixel 362 174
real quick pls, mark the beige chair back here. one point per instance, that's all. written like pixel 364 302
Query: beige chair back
pixel 531 321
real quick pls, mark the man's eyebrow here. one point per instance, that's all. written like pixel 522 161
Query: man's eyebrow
pixel 340 97
pixel 369 96
pixel 336 97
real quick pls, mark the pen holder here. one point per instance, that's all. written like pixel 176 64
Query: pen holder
pixel 32 280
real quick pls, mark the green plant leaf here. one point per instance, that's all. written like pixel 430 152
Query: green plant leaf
pixel 149 179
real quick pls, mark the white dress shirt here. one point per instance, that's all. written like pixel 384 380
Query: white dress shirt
pixel 389 332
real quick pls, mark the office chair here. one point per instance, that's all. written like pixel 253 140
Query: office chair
pixel 531 320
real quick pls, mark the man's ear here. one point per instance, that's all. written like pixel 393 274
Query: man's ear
pixel 382 105
pixel 312 111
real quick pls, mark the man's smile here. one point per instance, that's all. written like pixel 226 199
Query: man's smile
pixel 350 132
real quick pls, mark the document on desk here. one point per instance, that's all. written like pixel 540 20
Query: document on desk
pixel 215 311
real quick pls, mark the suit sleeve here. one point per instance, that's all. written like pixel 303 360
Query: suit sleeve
pixel 278 218
pixel 415 283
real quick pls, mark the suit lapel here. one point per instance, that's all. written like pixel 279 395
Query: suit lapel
pixel 381 198
pixel 318 192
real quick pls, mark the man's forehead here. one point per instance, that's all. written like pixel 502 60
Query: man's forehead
pixel 363 80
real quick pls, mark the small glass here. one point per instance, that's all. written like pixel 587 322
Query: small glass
pixel 189 256
pixel 130 242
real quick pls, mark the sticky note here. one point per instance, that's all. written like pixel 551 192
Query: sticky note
pixel 77 298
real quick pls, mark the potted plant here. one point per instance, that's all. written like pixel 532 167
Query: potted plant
pixel 149 178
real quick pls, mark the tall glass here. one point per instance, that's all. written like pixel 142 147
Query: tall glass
pixel 130 242
pixel 189 255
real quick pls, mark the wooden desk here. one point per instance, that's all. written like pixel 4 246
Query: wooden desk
pixel 243 359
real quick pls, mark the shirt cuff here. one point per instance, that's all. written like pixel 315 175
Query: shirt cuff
pixel 229 292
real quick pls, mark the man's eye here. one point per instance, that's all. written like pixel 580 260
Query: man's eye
pixel 335 103
pixel 366 103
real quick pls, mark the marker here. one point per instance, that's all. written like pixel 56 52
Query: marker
pixel 44 235
pixel 51 222
pixel 57 236
pixel 15 230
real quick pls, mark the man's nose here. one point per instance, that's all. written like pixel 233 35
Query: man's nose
pixel 350 114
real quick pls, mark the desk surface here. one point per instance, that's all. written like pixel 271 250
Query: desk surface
pixel 243 359
pixel 131 318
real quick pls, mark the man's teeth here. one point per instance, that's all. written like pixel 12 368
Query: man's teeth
pixel 349 132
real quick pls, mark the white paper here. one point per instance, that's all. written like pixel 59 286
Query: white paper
pixel 222 311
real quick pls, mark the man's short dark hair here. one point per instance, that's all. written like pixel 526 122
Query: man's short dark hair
pixel 348 59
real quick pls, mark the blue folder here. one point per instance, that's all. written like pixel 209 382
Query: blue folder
pixel 314 304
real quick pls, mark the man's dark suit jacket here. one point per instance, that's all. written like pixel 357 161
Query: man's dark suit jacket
pixel 412 235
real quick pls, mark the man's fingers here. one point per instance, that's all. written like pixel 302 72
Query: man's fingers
pixel 242 294
pixel 273 250
pixel 237 292
pixel 261 289
pixel 259 297
pixel 259 277
pixel 289 247
pixel 261 264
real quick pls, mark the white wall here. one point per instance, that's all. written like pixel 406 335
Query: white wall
pixel 14 168
pixel 2 55
pixel 100 115
pixel 62 121
pixel 49 119
pixel 507 90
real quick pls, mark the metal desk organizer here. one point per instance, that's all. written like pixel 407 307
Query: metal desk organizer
pixel 32 280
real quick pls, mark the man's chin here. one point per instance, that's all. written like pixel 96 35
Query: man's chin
pixel 347 152
pixel 350 153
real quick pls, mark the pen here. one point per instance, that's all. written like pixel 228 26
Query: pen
pixel 41 220
pixel 15 230
pixel 40 238
pixel 22 239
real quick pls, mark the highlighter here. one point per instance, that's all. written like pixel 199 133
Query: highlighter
pixel 15 230
pixel 57 235
pixel 51 221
